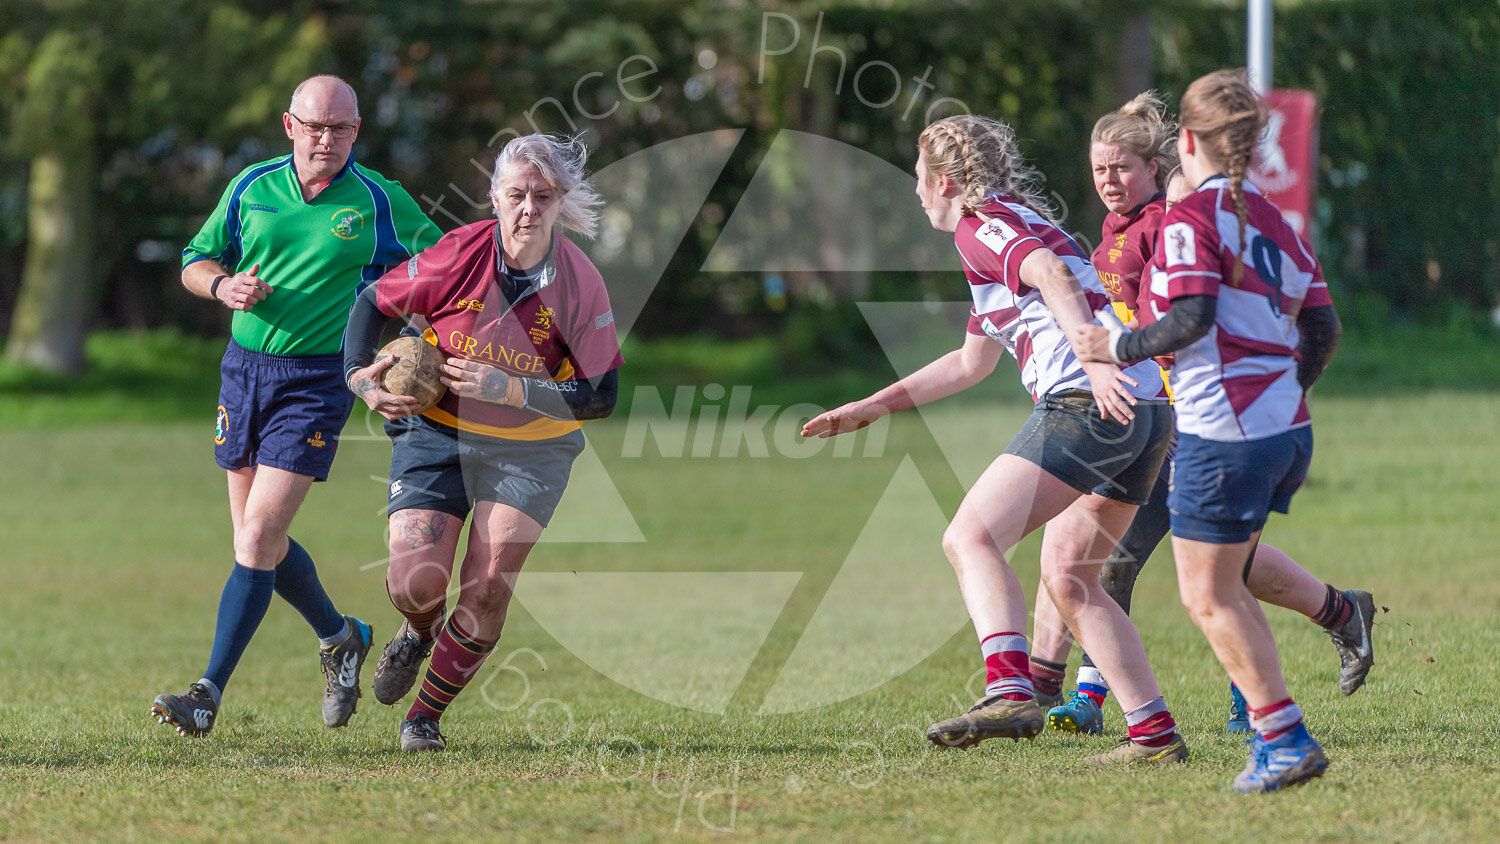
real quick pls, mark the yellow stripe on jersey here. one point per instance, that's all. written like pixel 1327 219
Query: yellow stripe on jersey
pixel 1123 311
pixel 543 428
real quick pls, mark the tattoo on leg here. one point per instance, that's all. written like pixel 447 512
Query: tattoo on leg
pixel 417 530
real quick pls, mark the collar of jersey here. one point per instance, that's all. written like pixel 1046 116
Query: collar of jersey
pixel 1142 207
pixel 535 277
pixel 291 166
pixel 1219 181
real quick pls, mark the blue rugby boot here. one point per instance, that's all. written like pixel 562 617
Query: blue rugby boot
pixel 1079 715
pixel 1239 711
pixel 341 664
pixel 1291 759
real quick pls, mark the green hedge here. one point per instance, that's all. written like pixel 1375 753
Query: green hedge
pixel 1409 179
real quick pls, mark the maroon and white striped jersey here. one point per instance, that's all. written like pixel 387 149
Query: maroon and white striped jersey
pixel 1012 313
pixel 1239 381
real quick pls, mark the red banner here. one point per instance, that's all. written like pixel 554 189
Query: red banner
pixel 1286 166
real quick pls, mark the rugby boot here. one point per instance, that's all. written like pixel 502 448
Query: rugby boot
pixel 341 664
pixel 1289 760
pixel 192 712
pixel 400 663
pixel 421 733
pixel 1239 712
pixel 1049 701
pixel 1352 638
pixel 990 717
pixel 1079 715
pixel 1129 751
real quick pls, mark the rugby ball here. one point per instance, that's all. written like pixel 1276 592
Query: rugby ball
pixel 415 372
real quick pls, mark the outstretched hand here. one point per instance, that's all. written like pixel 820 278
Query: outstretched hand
pixel 843 420
pixel 365 383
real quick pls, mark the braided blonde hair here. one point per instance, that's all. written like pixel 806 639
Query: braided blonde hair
pixel 980 155
pixel 1142 126
pixel 1223 113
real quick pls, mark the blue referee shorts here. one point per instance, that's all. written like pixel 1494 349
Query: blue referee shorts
pixel 284 411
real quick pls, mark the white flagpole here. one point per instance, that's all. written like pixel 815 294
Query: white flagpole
pixel 1258 44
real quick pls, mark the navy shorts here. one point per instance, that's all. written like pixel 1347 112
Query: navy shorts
pixel 1222 492
pixel 1065 436
pixel 434 467
pixel 284 411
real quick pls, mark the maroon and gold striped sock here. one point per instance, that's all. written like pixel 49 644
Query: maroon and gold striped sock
pixel 426 624
pixel 455 659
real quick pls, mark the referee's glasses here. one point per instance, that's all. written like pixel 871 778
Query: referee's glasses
pixel 316 130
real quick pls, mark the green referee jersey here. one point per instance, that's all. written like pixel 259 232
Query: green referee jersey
pixel 315 255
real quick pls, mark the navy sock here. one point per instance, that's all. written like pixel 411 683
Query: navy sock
pixel 297 582
pixel 246 596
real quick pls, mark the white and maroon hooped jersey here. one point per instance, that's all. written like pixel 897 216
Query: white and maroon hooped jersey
pixel 1239 381
pixel 1012 313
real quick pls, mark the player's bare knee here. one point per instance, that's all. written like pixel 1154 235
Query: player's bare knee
pixel 1069 592
pixel 258 544
pixel 1200 600
pixel 961 542
pixel 490 597
pixel 417 588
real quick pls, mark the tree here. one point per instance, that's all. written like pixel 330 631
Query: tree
pixel 102 79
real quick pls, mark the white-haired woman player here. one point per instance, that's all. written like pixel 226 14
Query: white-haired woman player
pixel 526 323
pixel 1083 462
pixel 1243 305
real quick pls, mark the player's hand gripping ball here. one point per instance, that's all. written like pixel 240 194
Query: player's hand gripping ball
pixel 416 372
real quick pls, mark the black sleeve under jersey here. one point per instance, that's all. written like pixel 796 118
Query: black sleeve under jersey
pixel 362 334
pixel 1189 319
pixel 573 399
pixel 1320 330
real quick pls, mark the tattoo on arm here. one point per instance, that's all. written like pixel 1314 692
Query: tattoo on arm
pixel 361 385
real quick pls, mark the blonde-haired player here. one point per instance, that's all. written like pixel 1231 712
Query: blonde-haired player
pixel 1082 463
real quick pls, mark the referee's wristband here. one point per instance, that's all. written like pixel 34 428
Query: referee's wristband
pixel 213 289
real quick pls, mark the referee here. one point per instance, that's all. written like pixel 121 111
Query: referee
pixel 291 242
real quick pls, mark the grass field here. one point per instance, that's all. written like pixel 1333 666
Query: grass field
pixel 722 647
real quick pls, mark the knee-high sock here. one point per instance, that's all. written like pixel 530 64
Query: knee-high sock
pixel 247 594
pixel 297 583
pixel 455 660
pixel 424 623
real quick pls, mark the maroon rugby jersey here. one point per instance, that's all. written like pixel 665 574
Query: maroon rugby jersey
pixel 563 329
pixel 1125 250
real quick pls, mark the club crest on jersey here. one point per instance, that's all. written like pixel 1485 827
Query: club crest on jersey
pixel 1181 251
pixel 995 234
pixel 347 223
